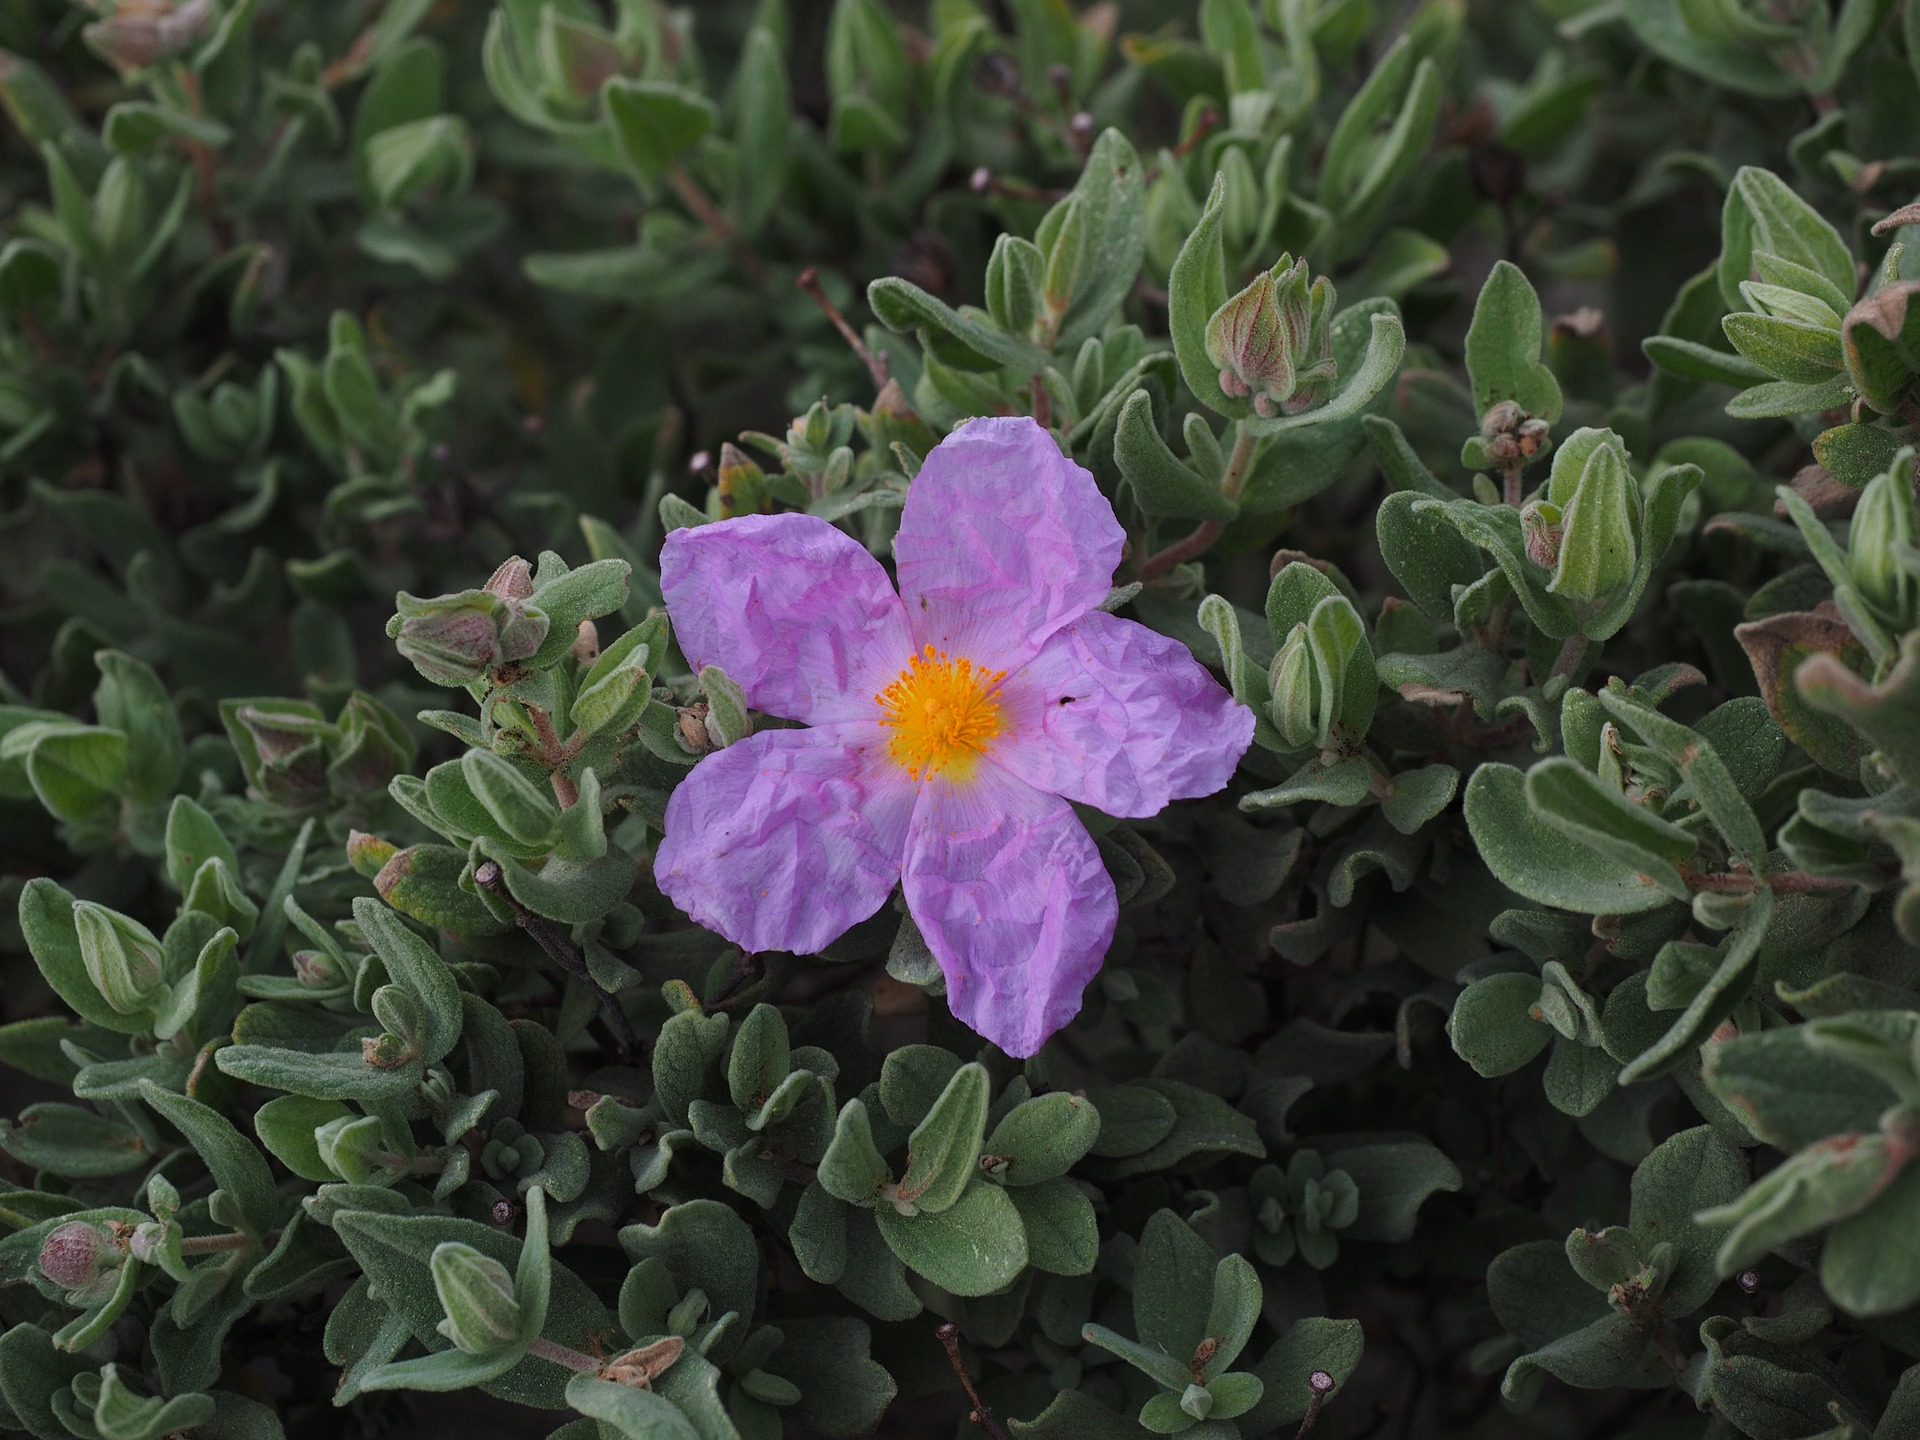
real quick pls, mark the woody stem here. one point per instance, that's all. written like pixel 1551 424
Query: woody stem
pixel 808 280
pixel 949 1337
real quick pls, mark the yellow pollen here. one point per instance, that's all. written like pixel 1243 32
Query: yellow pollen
pixel 942 713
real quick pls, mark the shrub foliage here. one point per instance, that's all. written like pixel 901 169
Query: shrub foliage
pixel 1514 403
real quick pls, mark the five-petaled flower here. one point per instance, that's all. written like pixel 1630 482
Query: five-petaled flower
pixel 948 727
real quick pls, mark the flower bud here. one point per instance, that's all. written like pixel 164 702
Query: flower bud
pixel 77 1256
pixel 289 751
pixel 512 581
pixel 135 36
pixel 483 1317
pixel 1599 519
pixel 578 57
pixel 1197 1401
pixel 456 639
pixel 1540 525
pixel 1883 522
pixel 1272 341
pixel 1015 273
pixel 1291 680
pixel 728 721
pixel 122 957
pixel 356 1150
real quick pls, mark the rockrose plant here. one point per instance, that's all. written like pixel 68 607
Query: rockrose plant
pixel 998 718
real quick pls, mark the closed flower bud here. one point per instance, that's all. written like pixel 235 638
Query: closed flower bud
pixel 1540 525
pixel 77 1255
pixel 456 639
pixel 1271 341
pixel 1291 681
pixel 135 36
pixel 122 957
pixel 289 750
pixel 475 1290
pixel 450 645
pixel 1883 523
pixel 1197 1401
pixel 356 1150
pixel 317 970
pixel 512 581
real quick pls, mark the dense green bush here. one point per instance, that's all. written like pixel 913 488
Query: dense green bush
pixel 1514 403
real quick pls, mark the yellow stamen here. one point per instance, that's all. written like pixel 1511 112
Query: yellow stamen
pixel 942 713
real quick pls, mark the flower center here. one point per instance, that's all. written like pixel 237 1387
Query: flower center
pixel 942 713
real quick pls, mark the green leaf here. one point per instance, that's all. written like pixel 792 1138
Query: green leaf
pixel 1712 786
pixel 47 921
pixel 1791 1095
pixel 1042 1138
pixel 1869 1266
pixel 1763 214
pixel 68 1141
pixel 131 699
pixel 1163 486
pixel 412 965
pixel 1690 360
pixel 1504 347
pixel 1196 288
pixel 1330 1346
pixel 1541 863
pixel 1395 1179
pixel 1426 552
pixel 1110 240
pixel 1062 1236
pixel 654 122
pixel 629 1412
pixel 1689 1173
pixel 1728 985
pixel 1579 804
pixel 233 1161
pixel 1493 1026
pixel 285 1126
pixel 974 1247
pixel 193 838
pixel 79 772
pixel 1170 1309
pixel 957 339
pixel 1786 349
pixel 708 1247
pixel 944 1149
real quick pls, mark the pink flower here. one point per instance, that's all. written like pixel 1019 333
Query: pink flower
pixel 948 727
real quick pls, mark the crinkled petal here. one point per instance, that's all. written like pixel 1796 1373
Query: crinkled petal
pixel 788 839
pixel 1008 889
pixel 1003 541
pixel 1121 718
pixel 793 609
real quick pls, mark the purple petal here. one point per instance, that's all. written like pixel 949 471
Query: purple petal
pixel 793 609
pixel 1003 541
pixel 1009 891
pixel 788 839
pixel 1121 718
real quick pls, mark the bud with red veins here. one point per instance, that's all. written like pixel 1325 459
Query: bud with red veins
pixel 83 1260
pixel 1541 528
pixel 1272 341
